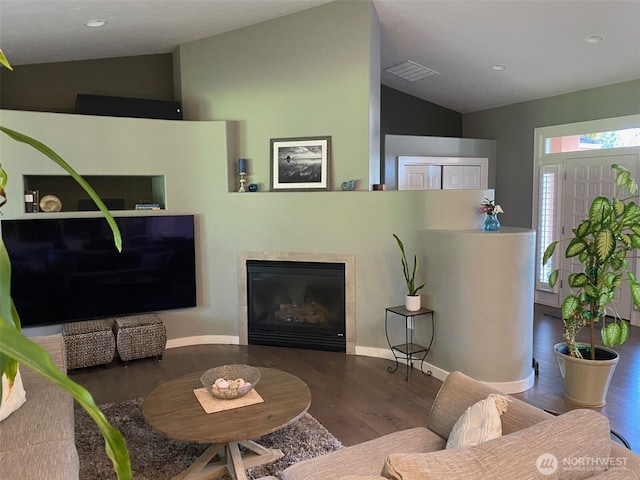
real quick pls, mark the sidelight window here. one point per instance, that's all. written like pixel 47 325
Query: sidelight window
pixel 547 221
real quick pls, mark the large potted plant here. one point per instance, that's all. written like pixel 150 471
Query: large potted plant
pixel 412 299
pixel 600 244
pixel 16 348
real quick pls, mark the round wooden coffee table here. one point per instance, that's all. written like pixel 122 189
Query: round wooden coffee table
pixel 174 410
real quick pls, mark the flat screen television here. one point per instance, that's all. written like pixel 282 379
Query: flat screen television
pixel 67 269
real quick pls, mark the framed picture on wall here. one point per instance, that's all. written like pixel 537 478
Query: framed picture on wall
pixel 300 163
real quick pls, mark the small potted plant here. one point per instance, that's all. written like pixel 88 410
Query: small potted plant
pixel 412 299
pixel 491 211
pixel 600 244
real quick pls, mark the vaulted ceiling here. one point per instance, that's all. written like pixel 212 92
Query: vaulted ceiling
pixel 546 47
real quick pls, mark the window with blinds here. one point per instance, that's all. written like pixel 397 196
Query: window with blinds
pixel 547 222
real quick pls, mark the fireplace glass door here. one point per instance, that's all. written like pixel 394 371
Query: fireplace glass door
pixel 296 304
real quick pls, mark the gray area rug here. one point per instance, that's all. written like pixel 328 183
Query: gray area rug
pixel 156 457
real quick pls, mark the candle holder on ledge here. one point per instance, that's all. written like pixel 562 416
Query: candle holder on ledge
pixel 242 181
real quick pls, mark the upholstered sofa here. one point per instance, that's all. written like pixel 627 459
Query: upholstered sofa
pixel 37 441
pixel 534 445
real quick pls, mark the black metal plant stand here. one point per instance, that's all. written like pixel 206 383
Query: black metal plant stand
pixel 409 351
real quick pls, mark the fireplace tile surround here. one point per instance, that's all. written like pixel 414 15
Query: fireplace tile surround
pixel 350 287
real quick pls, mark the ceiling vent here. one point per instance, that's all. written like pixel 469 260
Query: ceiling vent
pixel 410 71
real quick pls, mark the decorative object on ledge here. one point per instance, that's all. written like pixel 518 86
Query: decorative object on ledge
pixel 491 222
pixel 300 164
pixel 31 201
pixel 253 187
pixel 147 206
pixel 242 182
pixel 491 210
pixel 348 185
pixel 379 187
pixel 50 203
pixel 242 172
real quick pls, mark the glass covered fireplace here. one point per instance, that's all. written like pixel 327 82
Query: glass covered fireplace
pixel 296 304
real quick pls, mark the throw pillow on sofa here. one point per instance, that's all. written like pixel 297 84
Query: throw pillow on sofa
pixel 12 396
pixel 578 441
pixel 479 423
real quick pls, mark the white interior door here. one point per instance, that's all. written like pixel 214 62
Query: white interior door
pixel 471 177
pixel 587 178
pixel 426 173
pixel 420 177
pixel 457 177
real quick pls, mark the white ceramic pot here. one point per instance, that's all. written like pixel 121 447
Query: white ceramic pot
pixel 586 381
pixel 412 302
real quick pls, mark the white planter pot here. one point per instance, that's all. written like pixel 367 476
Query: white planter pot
pixel 586 381
pixel 412 302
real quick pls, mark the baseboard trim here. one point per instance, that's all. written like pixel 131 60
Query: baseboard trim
pixel 516 386
pixel 203 340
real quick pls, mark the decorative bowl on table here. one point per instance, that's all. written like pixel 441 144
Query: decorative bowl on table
pixel 230 381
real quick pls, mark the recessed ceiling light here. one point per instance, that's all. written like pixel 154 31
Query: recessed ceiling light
pixel 498 67
pixel 95 23
pixel 594 38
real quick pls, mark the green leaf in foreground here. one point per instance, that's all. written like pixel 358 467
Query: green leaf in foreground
pixel 635 293
pixel 3 60
pixel 569 306
pixel 16 345
pixel 548 252
pixel 611 334
pixel 624 332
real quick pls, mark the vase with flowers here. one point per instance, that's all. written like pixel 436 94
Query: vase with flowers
pixel 491 211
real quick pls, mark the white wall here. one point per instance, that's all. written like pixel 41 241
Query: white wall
pixel 482 291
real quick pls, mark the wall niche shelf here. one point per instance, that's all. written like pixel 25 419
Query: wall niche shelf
pixel 119 192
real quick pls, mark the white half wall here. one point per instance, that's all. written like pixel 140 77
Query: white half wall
pixel 482 286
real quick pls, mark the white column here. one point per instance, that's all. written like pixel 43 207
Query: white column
pixel 481 285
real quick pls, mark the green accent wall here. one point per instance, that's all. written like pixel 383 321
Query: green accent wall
pixel 513 128
pixel 302 75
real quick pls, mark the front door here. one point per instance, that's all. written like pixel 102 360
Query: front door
pixel 588 178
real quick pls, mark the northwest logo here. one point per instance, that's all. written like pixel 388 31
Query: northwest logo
pixel 547 464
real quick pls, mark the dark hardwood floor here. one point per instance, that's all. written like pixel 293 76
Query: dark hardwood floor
pixel 355 397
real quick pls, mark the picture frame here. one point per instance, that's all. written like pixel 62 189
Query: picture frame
pixel 301 164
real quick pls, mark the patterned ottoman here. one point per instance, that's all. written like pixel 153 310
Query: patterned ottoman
pixel 140 336
pixel 88 343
